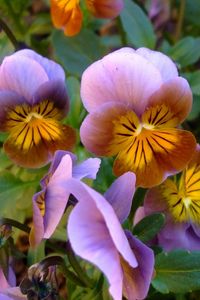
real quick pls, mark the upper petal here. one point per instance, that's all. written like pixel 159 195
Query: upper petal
pixel 120 195
pixel 122 77
pixel 105 8
pixel 21 75
pixel 87 168
pixel 53 70
pixel 162 62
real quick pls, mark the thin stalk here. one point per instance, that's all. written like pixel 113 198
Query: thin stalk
pixel 14 223
pixel 180 21
pixel 9 34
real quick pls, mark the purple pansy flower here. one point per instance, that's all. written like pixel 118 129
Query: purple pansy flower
pixel 33 100
pixel 49 204
pixel 179 200
pixel 95 233
pixel 136 101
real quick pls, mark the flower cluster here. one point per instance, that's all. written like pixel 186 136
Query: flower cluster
pixel 136 102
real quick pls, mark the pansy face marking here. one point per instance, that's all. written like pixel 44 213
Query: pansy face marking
pixel 184 199
pixel 31 125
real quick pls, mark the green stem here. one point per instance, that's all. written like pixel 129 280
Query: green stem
pixel 122 32
pixel 9 34
pixel 14 223
pixel 180 21
pixel 77 268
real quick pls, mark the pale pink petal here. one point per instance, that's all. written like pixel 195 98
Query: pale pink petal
pixel 12 294
pixel 120 195
pixel 122 78
pixel 139 215
pixel 3 281
pixel 162 62
pixel 21 75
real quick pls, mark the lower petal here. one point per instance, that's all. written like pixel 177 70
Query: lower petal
pixel 157 154
pixel 38 150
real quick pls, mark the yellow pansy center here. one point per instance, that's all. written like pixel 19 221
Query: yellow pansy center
pixel 184 199
pixel 29 125
pixel 136 140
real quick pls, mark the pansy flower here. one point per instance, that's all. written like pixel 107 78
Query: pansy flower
pixel 67 14
pixel 179 200
pixel 136 101
pixel 33 100
pixel 95 234
pixel 49 204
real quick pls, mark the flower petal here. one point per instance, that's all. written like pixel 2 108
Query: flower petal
pixel 122 77
pixel 21 75
pixel 120 195
pixel 176 95
pixel 37 230
pixel 12 294
pixel 54 91
pixel 87 168
pixel 137 281
pixel 49 204
pixel 3 281
pixel 53 70
pixel 105 8
pixel 8 100
pixel 40 153
pixel 97 129
pixel 90 197
pixel 66 14
pixel 57 196
pixel 160 154
pixel 94 244
pixel 162 62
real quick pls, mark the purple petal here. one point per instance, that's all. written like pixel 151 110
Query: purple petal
pixel 87 168
pixel 57 195
pixel 53 70
pixel 163 63
pixel 137 281
pixel 8 100
pixel 120 195
pixel 120 77
pixel 59 154
pixel 21 75
pixel 54 91
pixel 90 239
pixel 12 294
pixel 3 281
pixel 90 197
pixel 37 231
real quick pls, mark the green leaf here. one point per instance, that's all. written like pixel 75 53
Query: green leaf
pixel 186 51
pixel 77 112
pixel 137 26
pixel 194 81
pixel 148 227
pixel 77 53
pixel 177 271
